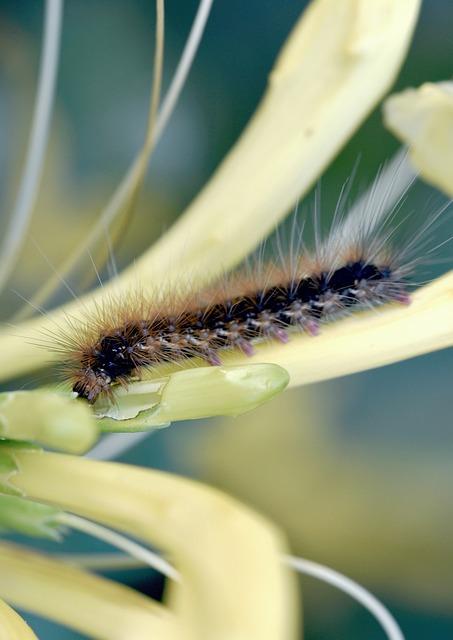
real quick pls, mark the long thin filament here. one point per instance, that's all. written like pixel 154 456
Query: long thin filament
pixel 133 549
pixel 15 233
pixel 356 591
pixel 125 190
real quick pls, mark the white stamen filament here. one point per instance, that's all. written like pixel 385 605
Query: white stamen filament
pixel 137 551
pixel 158 63
pixel 183 68
pixel 39 134
pixel 356 591
pixel 126 189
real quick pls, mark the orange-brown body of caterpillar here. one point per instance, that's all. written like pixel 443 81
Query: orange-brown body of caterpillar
pixel 237 320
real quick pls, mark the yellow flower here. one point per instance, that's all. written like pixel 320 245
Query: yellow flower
pixel 337 64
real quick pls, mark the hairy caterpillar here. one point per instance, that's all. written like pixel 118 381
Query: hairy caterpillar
pixel 356 265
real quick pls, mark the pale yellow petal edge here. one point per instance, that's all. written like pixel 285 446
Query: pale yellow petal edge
pixel 85 602
pixel 423 119
pixel 12 626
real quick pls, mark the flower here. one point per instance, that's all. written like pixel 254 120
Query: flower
pixel 337 64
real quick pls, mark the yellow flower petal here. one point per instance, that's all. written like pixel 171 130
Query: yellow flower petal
pixel 12 627
pixel 233 582
pixel 338 62
pixel 90 604
pixel 423 119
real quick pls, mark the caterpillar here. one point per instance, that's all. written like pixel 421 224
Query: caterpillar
pixel 356 265
pixel 237 321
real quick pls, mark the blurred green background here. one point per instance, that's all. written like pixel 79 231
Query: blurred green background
pixel 357 470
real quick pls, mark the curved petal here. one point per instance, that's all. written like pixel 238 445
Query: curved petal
pixel 233 582
pixel 90 604
pixel 423 119
pixel 337 63
pixel 12 626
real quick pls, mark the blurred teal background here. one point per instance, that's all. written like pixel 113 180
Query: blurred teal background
pixel 388 432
